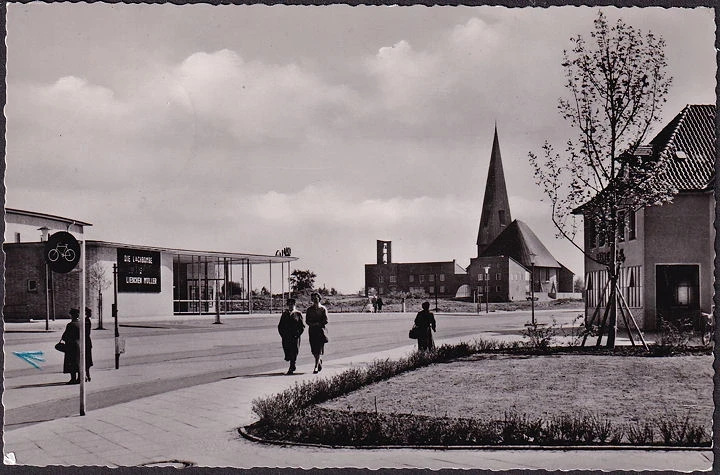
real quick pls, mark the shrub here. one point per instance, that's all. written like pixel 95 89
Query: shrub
pixel 293 415
pixel 538 335
pixel 640 433
pixel 675 336
pixel 579 331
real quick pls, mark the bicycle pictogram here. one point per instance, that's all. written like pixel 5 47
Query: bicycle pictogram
pixel 61 250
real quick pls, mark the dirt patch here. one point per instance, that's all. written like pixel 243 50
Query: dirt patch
pixel 622 388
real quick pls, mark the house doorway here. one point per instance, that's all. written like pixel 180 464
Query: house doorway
pixel 677 293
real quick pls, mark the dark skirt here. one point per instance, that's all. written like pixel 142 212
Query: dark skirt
pixel 425 340
pixel 291 347
pixel 317 340
pixel 71 361
pixel 88 356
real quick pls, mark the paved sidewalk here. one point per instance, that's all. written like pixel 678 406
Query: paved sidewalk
pixel 198 426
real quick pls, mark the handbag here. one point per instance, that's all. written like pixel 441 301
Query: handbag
pixel 414 333
pixel 60 346
pixel 325 334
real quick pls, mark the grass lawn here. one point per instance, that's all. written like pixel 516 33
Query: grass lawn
pixel 624 389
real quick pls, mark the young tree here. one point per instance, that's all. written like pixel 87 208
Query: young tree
pixel 617 85
pixel 578 284
pixel 98 280
pixel 302 280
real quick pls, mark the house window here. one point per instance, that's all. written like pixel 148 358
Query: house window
pixel 422 277
pixel 431 278
pixel 631 285
pixel 631 225
pixel 498 288
pixel 411 278
pixel 380 279
pixel 590 235
pixel 393 279
pixel 602 234
pixel 442 277
pixel 621 226
pixel 431 290
pixel 32 285
pixel 498 276
pixel 442 289
pixel 481 277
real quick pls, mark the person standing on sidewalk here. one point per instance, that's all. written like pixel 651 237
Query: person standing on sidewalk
pixel 316 319
pixel 425 321
pixel 291 326
pixel 88 344
pixel 71 337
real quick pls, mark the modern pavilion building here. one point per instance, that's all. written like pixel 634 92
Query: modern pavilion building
pixel 151 281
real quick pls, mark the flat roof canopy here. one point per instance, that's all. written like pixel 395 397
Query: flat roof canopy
pixel 32 218
pixel 187 255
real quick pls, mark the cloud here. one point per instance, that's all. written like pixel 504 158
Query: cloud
pixel 230 140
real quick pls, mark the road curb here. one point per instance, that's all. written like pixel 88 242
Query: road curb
pixel 647 448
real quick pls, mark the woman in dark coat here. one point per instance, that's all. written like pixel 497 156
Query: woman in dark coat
pixel 316 319
pixel 88 344
pixel 291 326
pixel 71 337
pixel 425 321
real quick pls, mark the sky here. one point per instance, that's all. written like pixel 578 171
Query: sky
pixel 252 128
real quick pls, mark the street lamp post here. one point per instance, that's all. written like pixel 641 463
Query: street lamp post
pixel 487 288
pixel 532 287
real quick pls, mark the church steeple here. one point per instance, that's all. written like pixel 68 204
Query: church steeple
pixel 496 207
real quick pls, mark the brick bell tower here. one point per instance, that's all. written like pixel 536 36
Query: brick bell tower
pixel 384 252
pixel 495 215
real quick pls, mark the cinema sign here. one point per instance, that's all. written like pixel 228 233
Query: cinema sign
pixel 138 270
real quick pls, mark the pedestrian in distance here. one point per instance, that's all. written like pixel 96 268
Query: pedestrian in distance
pixel 290 327
pixel 316 320
pixel 425 321
pixel 379 304
pixel 88 344
pixel 374 304
pixel 71 337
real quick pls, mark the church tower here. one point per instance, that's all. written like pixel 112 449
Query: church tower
pixel 496 208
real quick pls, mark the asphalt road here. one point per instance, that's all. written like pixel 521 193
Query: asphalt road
pixel 164 355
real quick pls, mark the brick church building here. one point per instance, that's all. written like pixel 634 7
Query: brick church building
pixel 510 257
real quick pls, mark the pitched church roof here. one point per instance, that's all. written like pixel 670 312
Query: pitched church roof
pixel 496 207
pixel 519 242
pixel 689 142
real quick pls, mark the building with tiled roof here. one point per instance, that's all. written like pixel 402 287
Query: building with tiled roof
pixel 667 274
pixel 510 257
pixel 518 244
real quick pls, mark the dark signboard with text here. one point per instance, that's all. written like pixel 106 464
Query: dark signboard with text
pixel 138 271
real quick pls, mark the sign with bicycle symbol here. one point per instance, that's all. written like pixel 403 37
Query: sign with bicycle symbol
pixel 62 252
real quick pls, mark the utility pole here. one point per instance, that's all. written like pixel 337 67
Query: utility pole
pixel 487 289
pixel 115 316
pixel 532 287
